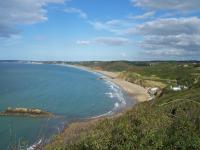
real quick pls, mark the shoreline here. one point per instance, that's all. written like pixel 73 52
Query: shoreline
pixel 135 91
pixel 73 130
pixel 106 77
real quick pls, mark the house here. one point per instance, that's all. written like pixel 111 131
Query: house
pixel 178 88
pixel 152 91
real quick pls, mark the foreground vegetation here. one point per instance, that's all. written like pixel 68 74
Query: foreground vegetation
pixel 171 121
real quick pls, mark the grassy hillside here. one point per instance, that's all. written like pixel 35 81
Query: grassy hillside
pixel 169 122
pixel 169 73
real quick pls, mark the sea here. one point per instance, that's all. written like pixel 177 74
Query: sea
pixel 71 94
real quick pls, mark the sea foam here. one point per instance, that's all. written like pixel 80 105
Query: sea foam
pixel 116 92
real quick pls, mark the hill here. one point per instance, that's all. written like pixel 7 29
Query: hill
pixel 170 121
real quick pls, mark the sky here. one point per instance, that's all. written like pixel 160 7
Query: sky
pixel 84 30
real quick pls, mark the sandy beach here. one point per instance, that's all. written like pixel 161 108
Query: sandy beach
pixel 135 91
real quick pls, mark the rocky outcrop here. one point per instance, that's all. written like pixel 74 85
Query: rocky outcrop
pixel 25 112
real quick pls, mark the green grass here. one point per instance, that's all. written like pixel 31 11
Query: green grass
pixel 170 122
pixel 151 125
pixel 183 73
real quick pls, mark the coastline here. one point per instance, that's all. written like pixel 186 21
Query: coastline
pixel 73 130
pixel 136 92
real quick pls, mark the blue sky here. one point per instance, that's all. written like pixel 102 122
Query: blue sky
pixel 74 30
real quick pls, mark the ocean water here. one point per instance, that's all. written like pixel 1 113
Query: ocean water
pixel 69 93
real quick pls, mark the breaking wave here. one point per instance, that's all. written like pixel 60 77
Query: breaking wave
pixel 115 92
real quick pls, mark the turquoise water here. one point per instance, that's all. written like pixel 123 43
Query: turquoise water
pixel 67 92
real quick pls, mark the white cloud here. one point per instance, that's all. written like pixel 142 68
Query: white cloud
pixel 168 26
pixel 76 11
pixel 110 41
pixel 114 41
pixel 178 36
pixel 104 26
pixel 15 12
pixel 115 26
pixel 181 42
pixel 171 26
pixel 146 15
pixel 180 5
